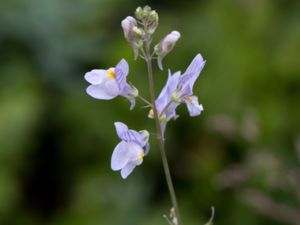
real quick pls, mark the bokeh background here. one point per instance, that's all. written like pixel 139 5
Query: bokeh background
pixel 241 155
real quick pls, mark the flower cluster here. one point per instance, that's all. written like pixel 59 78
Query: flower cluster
pixel 110 83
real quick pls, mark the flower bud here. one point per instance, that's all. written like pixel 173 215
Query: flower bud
pixel 139 13
pixel 166 46
pixel 127 24
pixel 142 13
pixel 137 32
pixel 133 34
pixel 152 22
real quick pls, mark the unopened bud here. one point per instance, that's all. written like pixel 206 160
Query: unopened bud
pixel 153 16
pixel 138 13
pixel 127 24
pixel 152 22
pixel 166 46
pixel 137 32
pixel 133 34
pixel 169 41
pixel 142 13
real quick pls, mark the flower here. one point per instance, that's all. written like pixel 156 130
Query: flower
pixel 130 152
pixel 108 84
pixel 179 89
pixel 166 46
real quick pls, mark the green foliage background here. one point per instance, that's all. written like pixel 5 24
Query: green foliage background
pixel 56 142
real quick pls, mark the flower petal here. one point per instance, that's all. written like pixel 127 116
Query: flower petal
pixel 100 91
pixel 130 93
pixel 136 137
pixel 112 87
pixel 171 112
pixel 121 72
pixel 120 156
pixel 193 106
pixel 95 76
pixel 140 138
pixel 121 128
pixel 167 91
pixel 189 77
pixel 127 170
pixel 124 153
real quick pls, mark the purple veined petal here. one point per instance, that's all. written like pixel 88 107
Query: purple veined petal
pixel 141 138
pixel 134 136
pixel 95 76
pixel 193 106
pixel 120 156
pixel 121 72
pixel 189 77
pixel 99 91
pixel 121 128
pixel 167 91
pixel 127 170
pixel 123 67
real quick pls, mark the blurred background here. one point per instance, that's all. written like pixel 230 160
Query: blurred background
pixel 241 155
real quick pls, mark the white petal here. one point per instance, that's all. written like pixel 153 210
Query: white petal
pixel 127 170
pixel 120 156
pixel 95 76
pixel 112 87
pixel 124 153
pixel 105 90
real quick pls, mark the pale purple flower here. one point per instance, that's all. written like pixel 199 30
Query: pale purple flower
pixel 130 152
pixel 165 46
pixel 108 84
pixel 179 89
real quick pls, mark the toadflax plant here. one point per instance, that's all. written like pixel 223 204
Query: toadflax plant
pixel 109 83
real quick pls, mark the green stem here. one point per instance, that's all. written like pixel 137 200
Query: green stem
pixel 160 132
pixel 145 101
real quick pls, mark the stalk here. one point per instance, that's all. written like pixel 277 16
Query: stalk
pixel 148 59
